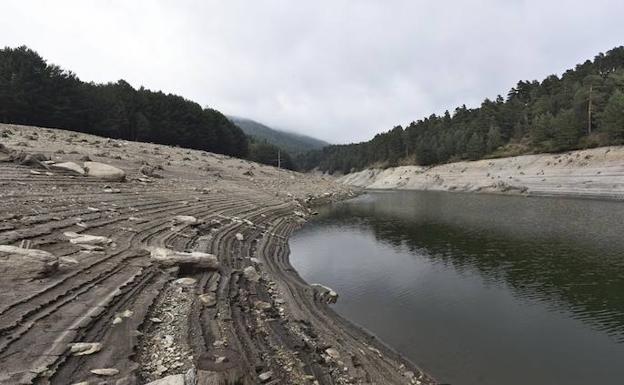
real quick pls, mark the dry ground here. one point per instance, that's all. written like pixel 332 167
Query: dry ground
pixel 251 320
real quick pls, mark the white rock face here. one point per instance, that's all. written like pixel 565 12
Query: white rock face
pixel 69 166
pixel 104 171
pixel 575 173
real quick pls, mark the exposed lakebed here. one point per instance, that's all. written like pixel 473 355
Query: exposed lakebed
pixel 479 289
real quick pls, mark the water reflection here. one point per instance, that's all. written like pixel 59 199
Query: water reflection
pixel 471 262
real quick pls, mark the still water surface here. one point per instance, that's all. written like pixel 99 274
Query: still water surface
pixel 479 289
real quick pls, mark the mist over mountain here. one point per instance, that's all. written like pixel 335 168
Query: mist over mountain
pixel 288 141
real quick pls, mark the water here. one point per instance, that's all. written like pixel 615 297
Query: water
pixel 479 289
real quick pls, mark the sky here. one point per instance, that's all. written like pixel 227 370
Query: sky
pixel 337 70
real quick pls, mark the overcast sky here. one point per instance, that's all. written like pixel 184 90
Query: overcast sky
pixel 337 70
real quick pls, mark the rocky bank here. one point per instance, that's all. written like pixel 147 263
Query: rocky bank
pixel 592 173
pixel 130 263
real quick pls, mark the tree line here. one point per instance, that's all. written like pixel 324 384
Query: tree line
pixel 33 92
pixel 583 108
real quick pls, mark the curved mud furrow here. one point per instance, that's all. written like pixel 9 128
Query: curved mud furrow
pixel 252 320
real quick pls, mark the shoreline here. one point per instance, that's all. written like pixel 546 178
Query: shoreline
pixel 596 173
pixel 250 319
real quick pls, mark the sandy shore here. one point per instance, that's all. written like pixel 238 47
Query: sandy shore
pixel 593 173
pixel 109 311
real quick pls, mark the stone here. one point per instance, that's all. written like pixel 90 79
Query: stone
pixel 168 258
pixel 105 371
pixel 185 219
pixel 240 237
pixel 69 166
pixel 176 379
pixel 251 274
pixel 84 348
pixel 27 263
pixel 333 353
pixel 104 171
pixel 186 281
pixel 266 376
pixel 324 293
pixel 262 306
pixel 86 239
pixel 208 299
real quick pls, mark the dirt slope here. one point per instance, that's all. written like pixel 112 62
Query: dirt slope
pixel 251 320
pixel 597 173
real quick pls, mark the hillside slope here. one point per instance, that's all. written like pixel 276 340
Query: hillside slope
pixel 595 173
pixel 136 296
pixel 288 141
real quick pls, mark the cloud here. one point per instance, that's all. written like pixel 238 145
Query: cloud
pixel 339 70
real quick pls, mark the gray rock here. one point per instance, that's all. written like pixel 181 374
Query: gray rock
pixel 69 166
pixel 104 171
pixel 167 258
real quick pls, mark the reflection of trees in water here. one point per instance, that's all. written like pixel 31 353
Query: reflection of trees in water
pixel 586 280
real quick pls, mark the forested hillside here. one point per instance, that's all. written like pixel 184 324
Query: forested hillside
pixel 582 108
pixel 33 92
pixel 288 141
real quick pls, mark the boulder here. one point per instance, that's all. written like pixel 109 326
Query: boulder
pixel 168 258
pixel 28 263
pixel 324 293
pixel 69 166
pixel 104 171
pixel 251 274
pixel 185 220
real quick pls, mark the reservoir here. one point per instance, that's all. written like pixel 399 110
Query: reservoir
pixel 478 289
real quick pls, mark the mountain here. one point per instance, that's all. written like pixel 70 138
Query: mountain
pixel 288 141
pixel 582 108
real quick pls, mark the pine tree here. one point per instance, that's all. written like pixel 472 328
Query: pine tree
pixel 612 118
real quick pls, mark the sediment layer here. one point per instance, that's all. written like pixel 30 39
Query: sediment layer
pixel 249 320
pixel 592 173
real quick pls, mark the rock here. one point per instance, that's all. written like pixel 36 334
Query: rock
pixel 104 171
pixel 187 281
pixel 84 348
pixel 262 306
pixel 167 258
pixel 86 239
pixel 333 353
pixel 28 263
pixel 240 237
pixel 69 166
pixel 176 379
pixel 266 376
pixel 208 299
pixel 185 219
pixel 105 371
pixel 149 171
pixel 251 274
pixel 324 293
